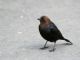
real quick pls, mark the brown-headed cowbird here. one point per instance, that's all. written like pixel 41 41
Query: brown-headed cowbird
pixel 50 32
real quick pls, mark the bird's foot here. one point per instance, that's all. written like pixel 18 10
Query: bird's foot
pixel 52 50
pixel 43 48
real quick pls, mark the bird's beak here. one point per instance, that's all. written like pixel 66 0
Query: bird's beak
pixel 38 19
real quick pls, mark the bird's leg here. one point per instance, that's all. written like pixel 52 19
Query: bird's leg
pixel 70 43
pixel 45 45
pixel 53 47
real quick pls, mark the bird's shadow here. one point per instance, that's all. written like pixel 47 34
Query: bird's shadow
pixel 63 45
pixel 39 46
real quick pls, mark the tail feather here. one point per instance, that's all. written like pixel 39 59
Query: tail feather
pixel 68 41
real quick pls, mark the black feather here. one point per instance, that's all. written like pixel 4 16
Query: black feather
pixel 51 33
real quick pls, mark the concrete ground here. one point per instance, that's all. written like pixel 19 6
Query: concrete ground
pixel 19 35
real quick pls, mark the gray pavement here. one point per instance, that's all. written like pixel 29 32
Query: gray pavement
pixel 19 35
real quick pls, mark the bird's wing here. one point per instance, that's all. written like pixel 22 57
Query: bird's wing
pixel 53 27
pixel 55 30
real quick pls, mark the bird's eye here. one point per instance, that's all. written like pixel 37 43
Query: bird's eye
pixel 42 20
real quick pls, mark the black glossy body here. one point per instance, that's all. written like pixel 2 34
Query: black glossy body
pixel 51 32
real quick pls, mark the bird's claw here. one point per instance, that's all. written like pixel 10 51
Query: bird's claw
pixel 52 50
pixel 44 48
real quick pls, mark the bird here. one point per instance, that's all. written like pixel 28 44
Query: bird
pixel 49 31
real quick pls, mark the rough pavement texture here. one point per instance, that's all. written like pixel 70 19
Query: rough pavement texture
pixel 19 35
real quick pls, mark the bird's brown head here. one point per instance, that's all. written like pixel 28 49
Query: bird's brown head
pixel 44 19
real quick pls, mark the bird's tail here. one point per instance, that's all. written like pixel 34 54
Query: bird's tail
pixel 67 41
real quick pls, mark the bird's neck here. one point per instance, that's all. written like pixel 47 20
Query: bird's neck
pixel 44 24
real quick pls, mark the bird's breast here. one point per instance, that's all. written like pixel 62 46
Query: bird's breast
pixel 45 29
